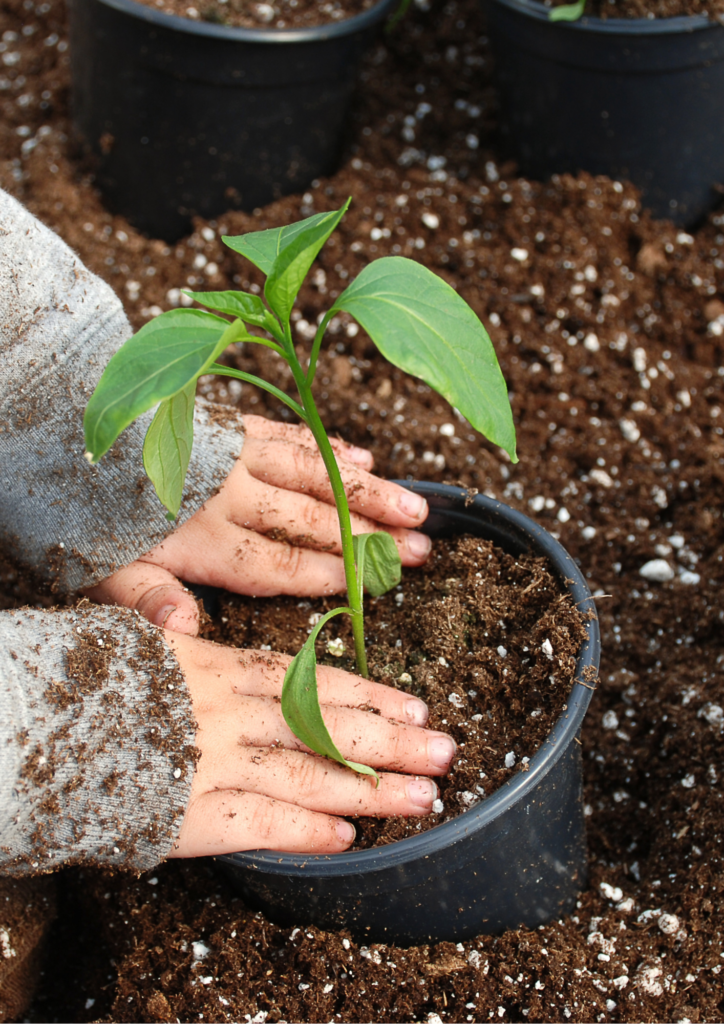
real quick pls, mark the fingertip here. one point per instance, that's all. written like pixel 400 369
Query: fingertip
pixel 180 617
pixel 346 833
pixel 360 456
pixel 421 794
pixel 417 712
pixel 412 505
pixel 441 750
pixel 419 546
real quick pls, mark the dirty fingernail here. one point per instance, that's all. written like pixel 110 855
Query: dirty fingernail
pixel 413 505
pixel 419 544
pixel 416 711
pixel 165 614
pixel 346 832
pixel 441 750
pixel 422 792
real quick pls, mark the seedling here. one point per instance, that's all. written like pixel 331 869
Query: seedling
pixel 567 12
pixel 416 320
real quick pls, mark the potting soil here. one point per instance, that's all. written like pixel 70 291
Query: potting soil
pixel 609 328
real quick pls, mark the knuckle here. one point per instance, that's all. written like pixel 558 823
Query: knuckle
pixel 358 491
pixel 263 819
pixel 395 744
pixel 288 561
pixel 316 517
pixel 306 777
pixel 298 434
pixel 304 460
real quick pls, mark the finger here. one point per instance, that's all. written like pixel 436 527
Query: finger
pixel 229 821
pixel 302 470
pixel 306 522
pixel 261 674
pixel 358 735
pixel 313 782
pixel 295 433
pixel 222 554
pixel 153 592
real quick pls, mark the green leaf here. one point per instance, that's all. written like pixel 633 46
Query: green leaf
pixel 263 247
pixel 300 701
pixel 162 358
pixel 379 567
pixel 568 12
pixel 293 262
pixel 167 448
pixel 248 308
pixel 424 327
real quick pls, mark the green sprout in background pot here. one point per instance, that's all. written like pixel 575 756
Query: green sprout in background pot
pixel 418 322
pixel 567 12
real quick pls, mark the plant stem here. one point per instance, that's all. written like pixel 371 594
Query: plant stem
pixel 312 368
pixel 231 371
pixel 314 422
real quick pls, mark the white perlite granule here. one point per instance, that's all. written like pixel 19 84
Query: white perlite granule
pixel 657 570
pixel 5 945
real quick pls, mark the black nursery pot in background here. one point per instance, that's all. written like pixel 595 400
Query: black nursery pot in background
pixel 640 100
pixel 191 118
pixel 516 859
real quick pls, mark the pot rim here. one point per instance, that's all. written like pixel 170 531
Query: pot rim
pixel 238 34
pixel 557 742
pixel 686 23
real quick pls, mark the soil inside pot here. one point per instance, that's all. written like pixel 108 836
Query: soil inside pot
pixel 262 14
pixel 604 9
pixel 488 641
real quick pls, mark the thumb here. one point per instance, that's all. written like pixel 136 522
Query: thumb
pixel 154 593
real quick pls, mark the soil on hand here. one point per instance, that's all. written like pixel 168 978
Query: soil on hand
pixel 282 14
pixel 605 9
pixel 610 330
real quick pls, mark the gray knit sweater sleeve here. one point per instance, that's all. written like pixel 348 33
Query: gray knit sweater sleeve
pixel 59 325
pixel 96 734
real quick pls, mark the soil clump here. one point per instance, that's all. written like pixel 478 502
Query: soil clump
pixel 610 330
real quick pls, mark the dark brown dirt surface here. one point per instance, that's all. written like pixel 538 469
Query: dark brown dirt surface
pixel 605 9
pixel 261 14
pixel 610 331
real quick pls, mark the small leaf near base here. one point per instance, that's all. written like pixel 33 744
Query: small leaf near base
pixel 300 702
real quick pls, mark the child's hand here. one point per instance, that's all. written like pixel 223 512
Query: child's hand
pixel 256 787
pixel 271 529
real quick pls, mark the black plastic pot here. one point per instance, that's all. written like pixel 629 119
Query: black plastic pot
pixel 187 117
pixel 640 100
pixel 516 859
